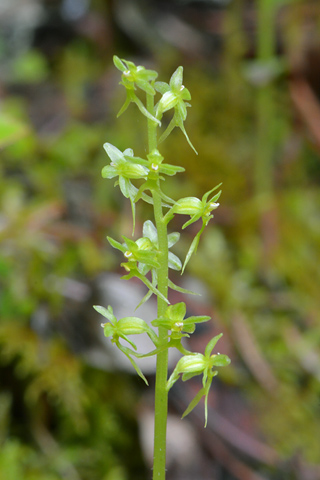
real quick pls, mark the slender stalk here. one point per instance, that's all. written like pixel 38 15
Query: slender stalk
pixel 161 395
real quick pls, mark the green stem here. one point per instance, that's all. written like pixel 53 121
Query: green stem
pixel 161 394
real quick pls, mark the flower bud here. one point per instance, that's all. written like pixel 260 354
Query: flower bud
pixel 187 206
pixel 167 101
pixel 132 326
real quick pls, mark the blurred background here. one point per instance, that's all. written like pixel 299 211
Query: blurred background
pixel 70 408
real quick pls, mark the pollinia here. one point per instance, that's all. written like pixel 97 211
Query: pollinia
pixel 149 257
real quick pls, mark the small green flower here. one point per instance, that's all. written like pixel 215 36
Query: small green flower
pixel 141 250
pixel 135 76
pixel 155 169
pixel 125 169
pixel 155 165
pixel 196 209
pixel 141 256
pixel 174 320
pixel 121 165
pixel 197 364
pixel 150 235
pixel 122 328
pixel 132 77
pixel 174 95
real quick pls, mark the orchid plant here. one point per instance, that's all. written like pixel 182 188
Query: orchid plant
pixel 150 253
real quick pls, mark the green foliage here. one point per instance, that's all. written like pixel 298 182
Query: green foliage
pixel 30 67
pixel 10 130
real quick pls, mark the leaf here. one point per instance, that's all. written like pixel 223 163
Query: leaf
pixel 145 86
pixel 206 195
pixel 153 289
pixel 197 319
pixel 149 230
pixel 211 345
pixel 136 273
pixel 176 79
pixel 117 245
pixel 109 172
pixel 136 160
pixel 125 105
pixel 113 152
pixel 174 262
pixel 220 360
pixel 194 402
pixel 167 131
pixel 180 289
pixel 192 249
pixel 144 299
pixel 161 87
pixel 173 238
pixel 107 313
pixel 194 245
pixel 118 63
pixel 166 199
pixel 124 337
pixel 143 109
pixel 171 170
pixel 177 311
pixel 133 363
pixel 181 126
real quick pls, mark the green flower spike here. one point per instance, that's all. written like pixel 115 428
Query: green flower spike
pixel 132 77
pixel 122 167
pixel 174 95
pixel 174 320
pixel 122 328
pixel 197 364
pixel 196 209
